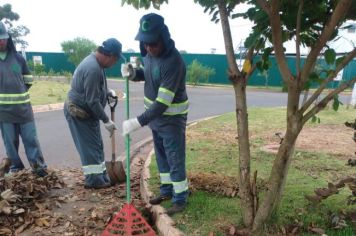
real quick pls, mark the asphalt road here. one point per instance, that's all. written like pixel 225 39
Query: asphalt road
pixel 58 147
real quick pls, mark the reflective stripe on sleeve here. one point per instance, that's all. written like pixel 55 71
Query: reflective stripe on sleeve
pixel 18 98
pixel 165 96
pixel 28 79
pixel 94 169
pixel 173 109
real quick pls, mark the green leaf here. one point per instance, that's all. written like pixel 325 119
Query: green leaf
pixel 314 119
pixel 339 60
pixel 252 39
pixel 330 56
pixel 259 65
pixel 266 53
pixel 313 77
pixel 307 85
pixel 336 103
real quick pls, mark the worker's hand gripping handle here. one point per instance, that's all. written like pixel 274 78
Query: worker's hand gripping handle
pixel 112 100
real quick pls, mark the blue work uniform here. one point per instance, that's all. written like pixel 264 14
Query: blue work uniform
pixel 16 114
pixel 166 104
pixel 89 92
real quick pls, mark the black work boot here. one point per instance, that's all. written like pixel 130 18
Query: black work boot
pixel 106 185
pixel 159 199
pixel 41 172
pixel 176 208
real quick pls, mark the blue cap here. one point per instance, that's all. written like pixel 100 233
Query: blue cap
pixel 112 47
pixel 3 31
pixel 151 26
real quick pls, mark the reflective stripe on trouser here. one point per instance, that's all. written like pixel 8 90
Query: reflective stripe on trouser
pixel 89 143
pixel 170 157
pixel 178 187
pixel 11 133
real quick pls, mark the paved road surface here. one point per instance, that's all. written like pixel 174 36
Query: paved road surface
pixel 58 147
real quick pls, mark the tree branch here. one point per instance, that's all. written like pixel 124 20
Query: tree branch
pixel 297 40
pixel 338 14
pixel 276 25
pixel 229 48
pixel 320 106
pixel 322 86
pixel 264 5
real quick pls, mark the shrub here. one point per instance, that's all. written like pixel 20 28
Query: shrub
pixel 199 73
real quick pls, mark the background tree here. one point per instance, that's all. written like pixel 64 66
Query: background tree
pixel 197 72
pixel 312 24
pixel 18 32
pixel 77 49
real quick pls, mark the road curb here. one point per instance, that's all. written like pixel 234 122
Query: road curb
pixel 47 107
pixel 165 224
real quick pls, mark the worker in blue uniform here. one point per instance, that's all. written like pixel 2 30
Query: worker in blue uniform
pixel 16 114
pixel 166 104
pixel 84 108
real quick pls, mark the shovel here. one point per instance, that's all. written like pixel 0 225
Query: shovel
pixel 114 168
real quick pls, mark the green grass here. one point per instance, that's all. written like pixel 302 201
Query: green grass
pixel 48 92
pixel 212 147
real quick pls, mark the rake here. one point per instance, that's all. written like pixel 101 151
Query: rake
pixel 128 221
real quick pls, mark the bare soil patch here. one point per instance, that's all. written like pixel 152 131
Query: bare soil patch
pixel 332 139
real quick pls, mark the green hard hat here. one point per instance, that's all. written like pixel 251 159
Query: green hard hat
pixel 3 31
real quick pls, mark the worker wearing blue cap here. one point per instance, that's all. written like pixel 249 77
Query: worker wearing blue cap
pixel 84 108
pixel 166 104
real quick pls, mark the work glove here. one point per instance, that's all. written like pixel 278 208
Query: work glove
pixel 111 96
pixel 128 71
pixel 110 126
pixel 130 125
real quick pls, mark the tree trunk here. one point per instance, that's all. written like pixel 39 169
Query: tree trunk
pixel 239 82
pixel 245 192
pixel 279 172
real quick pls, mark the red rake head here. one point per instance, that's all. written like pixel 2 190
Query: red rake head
pixel 128 222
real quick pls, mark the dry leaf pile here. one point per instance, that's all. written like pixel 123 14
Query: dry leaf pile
pixel 323 193
pixel 23 200
pixel 58 204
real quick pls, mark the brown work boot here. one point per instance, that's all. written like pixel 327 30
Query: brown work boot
pixel 176 208
pixel 159 199
pixel 4 166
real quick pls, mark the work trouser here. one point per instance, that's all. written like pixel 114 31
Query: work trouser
pixel 11 133
pixel 87 138
pixel 170 157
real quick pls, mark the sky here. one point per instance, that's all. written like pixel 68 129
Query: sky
pixel 54 21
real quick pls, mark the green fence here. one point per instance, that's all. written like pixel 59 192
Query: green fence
pixel 58 62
